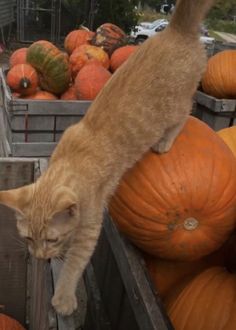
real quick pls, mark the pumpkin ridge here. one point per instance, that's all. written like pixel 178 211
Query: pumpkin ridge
pixel 137 225
pixel 149 184
pixel 133 211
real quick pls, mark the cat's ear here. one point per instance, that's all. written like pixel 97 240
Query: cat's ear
pixel 16 199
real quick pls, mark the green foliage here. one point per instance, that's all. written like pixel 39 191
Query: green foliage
pixel 78 10
pixel 221 25
pixel 222 9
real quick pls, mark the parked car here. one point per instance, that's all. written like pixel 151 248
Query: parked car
pixel 145 30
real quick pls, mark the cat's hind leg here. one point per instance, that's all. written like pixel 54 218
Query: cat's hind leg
pixel 166 141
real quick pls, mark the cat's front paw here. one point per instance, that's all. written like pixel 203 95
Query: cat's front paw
pixel 64 303
pixel 162 146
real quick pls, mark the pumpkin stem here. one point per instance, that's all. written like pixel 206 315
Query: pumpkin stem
pixel 24 83
pixel 191 224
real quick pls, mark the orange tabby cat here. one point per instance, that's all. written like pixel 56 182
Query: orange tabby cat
pixel 145 104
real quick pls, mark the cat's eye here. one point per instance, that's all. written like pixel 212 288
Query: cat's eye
pixel 29 239
pixel 52 240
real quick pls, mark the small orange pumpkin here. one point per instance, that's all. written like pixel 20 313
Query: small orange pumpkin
pixel 85 54
pixel 109 37
pixel 42 95
pixel 206 303
pixel 180 205
pixel 167 275
pixel 120 55
pixel 23 79
pixel 77 38
pixel 8 323
pixel 18 57
pixel 90 80
pixel 219 79
pixel 70 94
pixel 229 136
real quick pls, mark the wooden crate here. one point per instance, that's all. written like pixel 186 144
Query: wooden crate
pixel 120 294
pixel 33 127
pixel 217 113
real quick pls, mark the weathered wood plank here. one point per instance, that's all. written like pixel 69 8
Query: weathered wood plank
pixel 13 252
pixel 147 307
pixel 33 149
pixel 214 104
pixel 96 317
pixel 13 270
pixel 63 323
pixel 107 273
pixel 39 298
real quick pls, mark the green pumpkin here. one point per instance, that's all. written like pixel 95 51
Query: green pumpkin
pixel 52 65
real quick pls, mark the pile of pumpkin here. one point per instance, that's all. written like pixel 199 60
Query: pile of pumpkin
pixel 79 72
pixel 179 209
pixel 219 79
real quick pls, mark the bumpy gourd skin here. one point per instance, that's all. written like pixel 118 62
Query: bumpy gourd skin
pixel 51 64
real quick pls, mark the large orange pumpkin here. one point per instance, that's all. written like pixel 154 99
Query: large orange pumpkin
pixel 8 323
pixel 229 136
pixel 90 80
pixel 180 205
pixel 206 303
pixel 18 57
pixel 23 79
pixel 109 37
pixel 77 38
pixel 120 55
pixel 219 79
pixel 42 95
pixel 87 53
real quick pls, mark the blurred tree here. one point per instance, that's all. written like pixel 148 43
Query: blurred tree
pixel 93 13
pixel 119 12
pixel 223 9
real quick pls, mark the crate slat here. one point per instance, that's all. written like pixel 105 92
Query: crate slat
pixel 33 149
pixel 13 252
pixel 217 113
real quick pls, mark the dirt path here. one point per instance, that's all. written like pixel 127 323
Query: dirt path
pixel 227 36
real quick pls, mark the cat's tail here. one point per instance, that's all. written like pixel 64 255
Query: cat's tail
pixel 188 15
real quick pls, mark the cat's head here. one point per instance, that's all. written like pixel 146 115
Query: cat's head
pixel 47 221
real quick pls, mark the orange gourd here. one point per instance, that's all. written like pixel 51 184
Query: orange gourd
pixel 90 80
pixel 23 79
pixel 70 94
pixel 219 79
pixel 85 54
pixel 109 37
pixel 8 323
pixel 77 38
pixel 206 303
pixel 229 136
pixel 42 95
pixel 180 205
pixel 120 55
pixel 18 57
